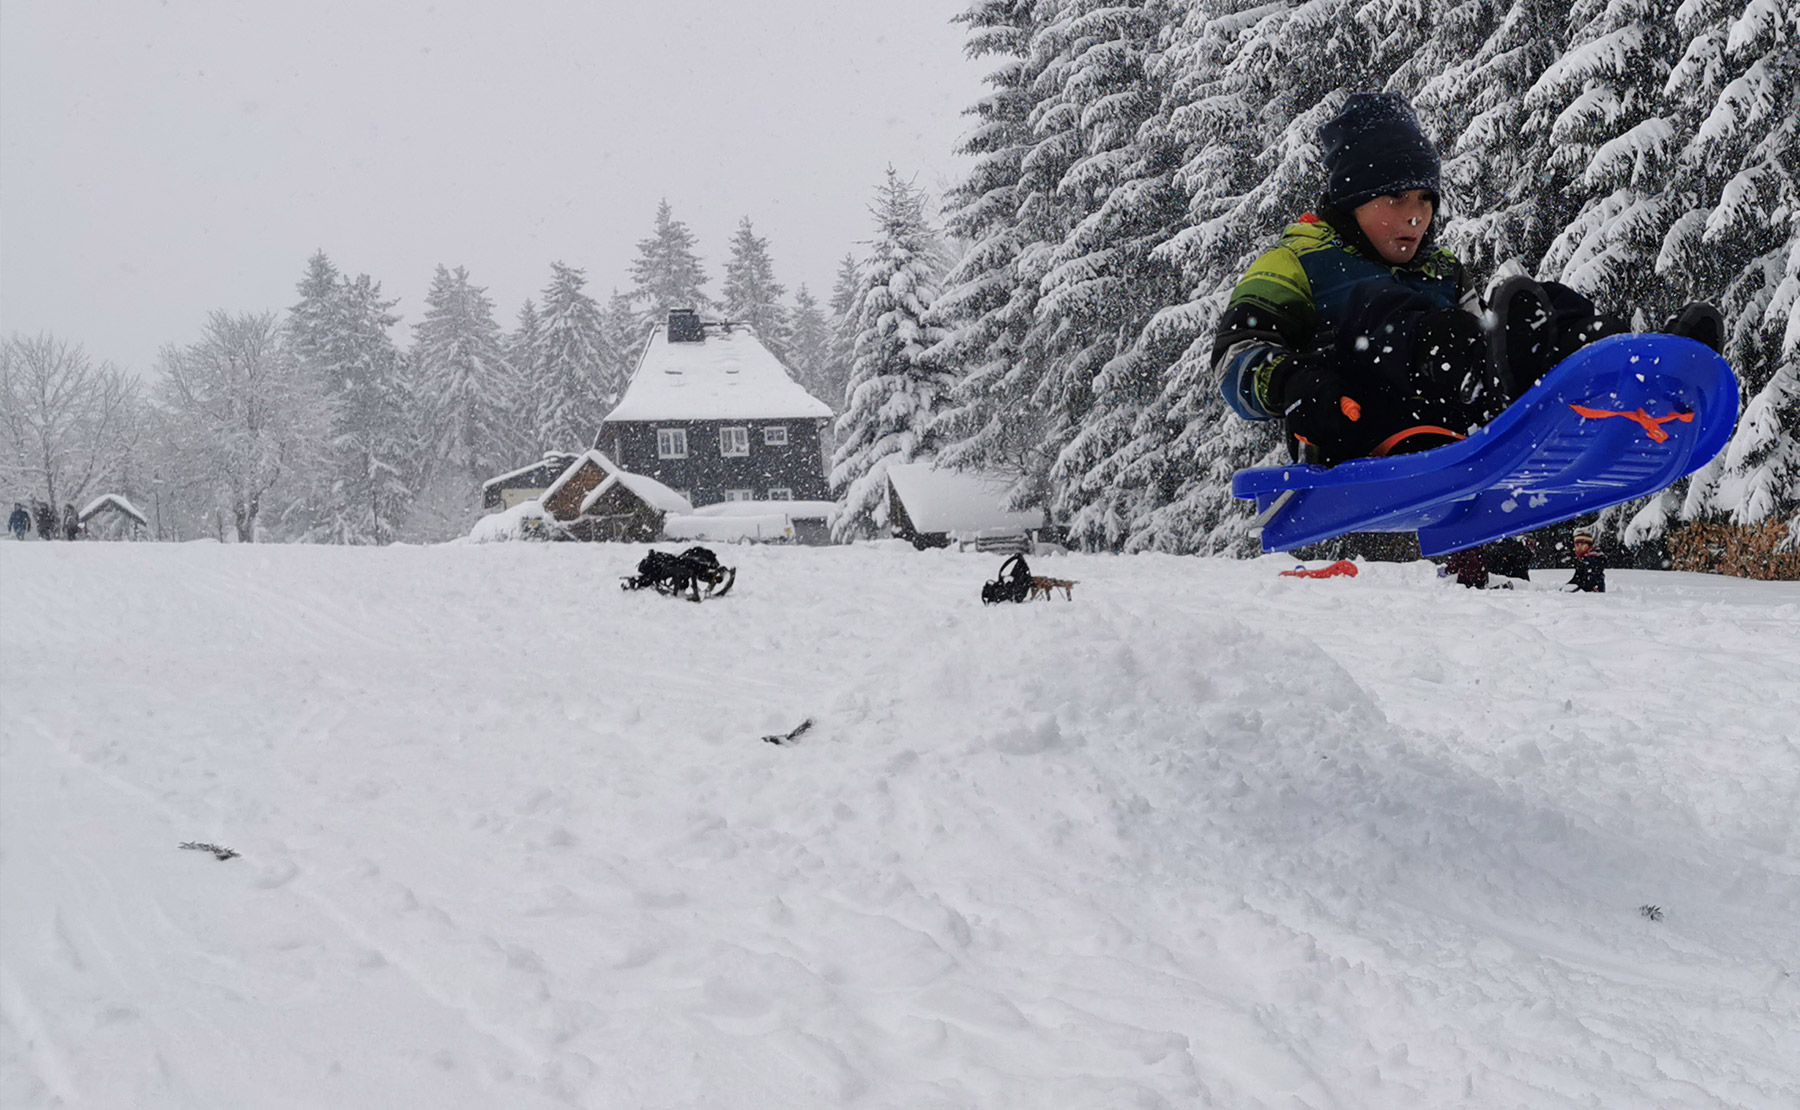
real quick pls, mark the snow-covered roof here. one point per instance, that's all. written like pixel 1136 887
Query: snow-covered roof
pixel 648 490
pixel 957 501
pixel 606 465
pixel 115 501
pixel 728 375
pixel 554 458
pixel 800 510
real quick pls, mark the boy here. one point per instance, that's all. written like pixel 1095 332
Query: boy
pixel 1364 336
pixel 1590 567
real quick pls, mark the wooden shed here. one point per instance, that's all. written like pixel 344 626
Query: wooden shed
pixel 527 483
pixel 928 507
pixel 112 517
pixel 593 499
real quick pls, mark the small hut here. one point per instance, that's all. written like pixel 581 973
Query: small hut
pixel 527 483
pixel 112 517
pixel 593 499
pixel 928 507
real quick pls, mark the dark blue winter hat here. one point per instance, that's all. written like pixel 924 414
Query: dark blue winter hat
pixel 1374 147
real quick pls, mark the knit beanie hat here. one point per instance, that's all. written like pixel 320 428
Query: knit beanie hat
pixel 1374 147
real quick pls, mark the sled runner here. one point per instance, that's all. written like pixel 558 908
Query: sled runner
pixel 1618 419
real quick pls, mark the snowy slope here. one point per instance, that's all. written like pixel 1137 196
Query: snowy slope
pixel 1203 836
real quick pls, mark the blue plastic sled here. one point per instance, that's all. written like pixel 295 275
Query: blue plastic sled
pixel 1618 419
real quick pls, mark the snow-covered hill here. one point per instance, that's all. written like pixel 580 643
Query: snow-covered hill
pixel 1202 836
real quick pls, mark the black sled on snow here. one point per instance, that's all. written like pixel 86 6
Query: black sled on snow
pixel 1013 583
pixel 683 574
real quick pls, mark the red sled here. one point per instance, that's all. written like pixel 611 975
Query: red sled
pixel 1343 568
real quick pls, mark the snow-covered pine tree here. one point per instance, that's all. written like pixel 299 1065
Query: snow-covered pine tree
pixel 1106 280
pixel 667 272
pixel 459 365
pixel 1666 127
pixel 809 345
pixel 1216 104
pixel 836 379
pixel 992 421
pixel 894 393
pixel 624 336
pixel 752 295
pixel 578 371
pixel 1740 70
pixel 370 453
pixel 1473 80
pixel 313 319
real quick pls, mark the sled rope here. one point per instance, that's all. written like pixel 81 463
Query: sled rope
pixel 1393 441
pixel 1652 425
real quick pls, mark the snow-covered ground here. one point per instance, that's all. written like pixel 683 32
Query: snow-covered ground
pixel 1202 836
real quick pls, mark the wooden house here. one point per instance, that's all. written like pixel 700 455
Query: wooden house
pixel 112 517
pixel 712 414
pixel 594 499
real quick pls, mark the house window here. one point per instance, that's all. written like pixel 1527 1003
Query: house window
pixel 734 441
pixel 775 436
pixel 740 495
pixel 781 495
pixel 671 443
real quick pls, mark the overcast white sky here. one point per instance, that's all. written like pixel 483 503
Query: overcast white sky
pixel 160 160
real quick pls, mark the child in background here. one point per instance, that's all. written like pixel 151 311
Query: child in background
pixel 1590 566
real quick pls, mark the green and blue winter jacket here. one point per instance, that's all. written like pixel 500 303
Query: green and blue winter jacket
pixel 1296 298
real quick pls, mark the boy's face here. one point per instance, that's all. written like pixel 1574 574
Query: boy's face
pixel 1396 224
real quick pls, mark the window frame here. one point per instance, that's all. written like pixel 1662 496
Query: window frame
pixel 738 433
pixel 781 493
pixel 775 435
pixel 676 436
pixel 739 494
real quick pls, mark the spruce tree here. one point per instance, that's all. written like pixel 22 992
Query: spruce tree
pixel 578 371
pixel 624 337
pixel 894 393
pixel 752 295
pixel 372 457
pixel 460 366
pixel 1738 242
pixel 836 377
pixel 993 421
pixel 809 345
pixel 667 272
pixel 1106 279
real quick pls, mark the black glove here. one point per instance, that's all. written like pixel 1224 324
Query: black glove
pixel 1319 407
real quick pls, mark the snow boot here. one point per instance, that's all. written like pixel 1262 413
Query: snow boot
pixel 1521 323
pixel 1700 322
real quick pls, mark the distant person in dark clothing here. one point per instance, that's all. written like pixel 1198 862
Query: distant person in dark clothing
pixel 1590 567
pixel 1469 567
pixel 45 519
pixel 19 522
pixel 71 523
pixel 1510 557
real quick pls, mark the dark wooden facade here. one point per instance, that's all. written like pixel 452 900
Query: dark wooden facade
pixel 707 475
pixel 618 514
